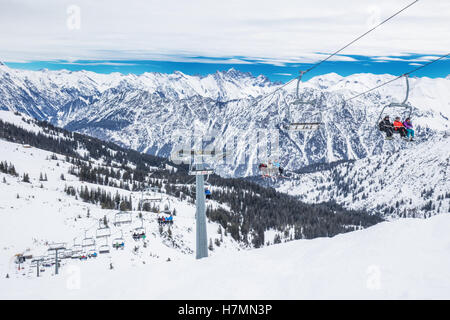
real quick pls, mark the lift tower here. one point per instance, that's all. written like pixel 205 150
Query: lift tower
pixel 197 169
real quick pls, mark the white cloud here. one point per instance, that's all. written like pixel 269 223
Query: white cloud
pixel 273 32
pixel 97 63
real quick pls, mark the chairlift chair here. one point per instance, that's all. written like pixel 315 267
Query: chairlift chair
pixel 103 249
pixel 271 169
pixel 139 232
pixel 102 231
pixel 407 108
pixel 208 193
pixel 165 218
pixel 204 171
pixel 92 253
pixel 119 242
pixel 76 251
pixel 151 195
pixel 122 218
pixel 88 241
pixel 65 254
pixel 165 206
pixel 312 119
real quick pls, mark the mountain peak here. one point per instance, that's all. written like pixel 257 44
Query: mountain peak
pixel 235 74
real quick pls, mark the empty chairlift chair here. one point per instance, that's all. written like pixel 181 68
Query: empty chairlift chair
pixel 77 250
pixel 102 231
pixel 88 241
pixel 150 195
pixel 104 248
pixel 310 119
pixel 121 218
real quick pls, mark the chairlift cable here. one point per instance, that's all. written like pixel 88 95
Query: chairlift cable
pixel 361 36
pixel 405 74
pixel 335 53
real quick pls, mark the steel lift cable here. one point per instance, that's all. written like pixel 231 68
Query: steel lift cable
pixel 335 53
pixel 405 74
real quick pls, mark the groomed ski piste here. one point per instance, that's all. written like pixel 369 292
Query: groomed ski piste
pixel 37 214
pixel 403 259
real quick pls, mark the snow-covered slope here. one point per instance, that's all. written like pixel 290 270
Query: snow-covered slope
pixel 37 213
pixel 144 112
pixel 411 181
pixel 405 259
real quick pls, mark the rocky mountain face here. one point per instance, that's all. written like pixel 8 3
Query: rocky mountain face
pixel 154 112
pixel 408 181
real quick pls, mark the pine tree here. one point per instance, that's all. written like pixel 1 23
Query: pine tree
pixel 26 178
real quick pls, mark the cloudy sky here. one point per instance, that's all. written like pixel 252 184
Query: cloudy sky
pixel 104 35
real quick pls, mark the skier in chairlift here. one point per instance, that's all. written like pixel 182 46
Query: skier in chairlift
pixel 278 165
pixel 399 127
pixel 386 126
pixel 409 129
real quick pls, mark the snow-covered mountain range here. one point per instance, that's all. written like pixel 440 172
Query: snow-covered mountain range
pixel 388 178
pixel 407 181
pixel 144 112
pixel 61 187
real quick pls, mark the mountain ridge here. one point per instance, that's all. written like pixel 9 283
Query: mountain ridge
pixel 144 112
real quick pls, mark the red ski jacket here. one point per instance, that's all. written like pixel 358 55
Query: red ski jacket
pixel 397 124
